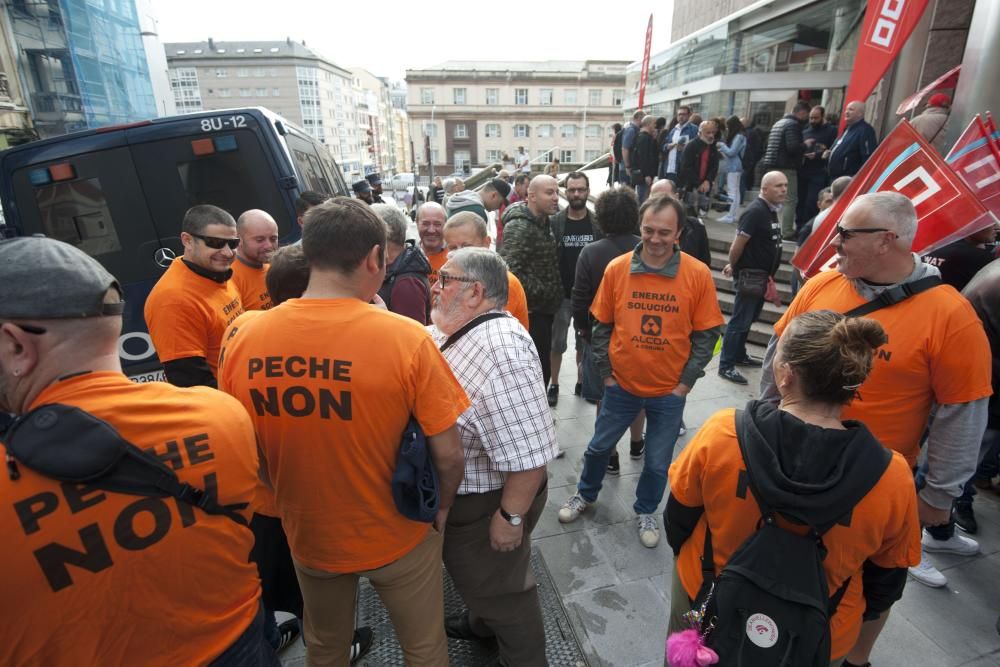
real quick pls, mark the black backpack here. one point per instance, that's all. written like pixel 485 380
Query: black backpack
pixel 770 605
pixel 408 265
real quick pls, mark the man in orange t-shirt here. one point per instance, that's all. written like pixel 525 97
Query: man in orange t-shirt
pixel 330 383
pixel 194 301
pixel 103 577
pixel 258 234
pixel 658 319
pixel 937 355
pixel 466 229
pixel 431 217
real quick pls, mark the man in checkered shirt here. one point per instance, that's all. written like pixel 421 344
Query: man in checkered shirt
pixel 508 437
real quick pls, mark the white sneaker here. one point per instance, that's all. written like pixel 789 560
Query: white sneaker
pixel 572 509
pixel 727 219
pixel 927 574
pixel 649 530
pixel 956 544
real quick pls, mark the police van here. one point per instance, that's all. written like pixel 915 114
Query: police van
pixel 120 193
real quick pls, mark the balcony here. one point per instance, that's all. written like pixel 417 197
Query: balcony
pixel 56 103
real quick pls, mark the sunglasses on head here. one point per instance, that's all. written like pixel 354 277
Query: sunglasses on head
pixel 847 234
pixel 216 243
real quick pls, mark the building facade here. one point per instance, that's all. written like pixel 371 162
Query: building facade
pixel 81 64
pixel 755 59
pixel 15 120
pixel 473 113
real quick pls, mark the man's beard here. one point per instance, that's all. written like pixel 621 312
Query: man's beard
pixel 577 204
pixel 446 319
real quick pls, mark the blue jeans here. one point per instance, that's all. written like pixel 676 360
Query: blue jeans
pixel 746 310
pixel 988 453
pixel 642 191
pixel 663 422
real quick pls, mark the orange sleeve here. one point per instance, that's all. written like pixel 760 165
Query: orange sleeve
pixel 439 398
pixel 603 306
pixel 517 300
pixel 801 303
pixel 181 328
pixel 687 472
pixel 707 314
pixel 961 361
pixel 901 539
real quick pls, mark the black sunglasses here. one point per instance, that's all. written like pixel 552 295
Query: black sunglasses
pixel 216 243
pixel 847 234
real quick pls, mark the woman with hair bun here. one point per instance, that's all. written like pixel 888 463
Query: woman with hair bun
pixel 805 462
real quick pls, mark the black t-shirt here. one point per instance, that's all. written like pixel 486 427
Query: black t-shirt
pixel 763 250
pixel 576 234
pixel 959 262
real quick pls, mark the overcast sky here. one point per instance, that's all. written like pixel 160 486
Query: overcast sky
pixel 409 35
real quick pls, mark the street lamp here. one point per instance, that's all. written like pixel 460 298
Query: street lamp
pixel 430 153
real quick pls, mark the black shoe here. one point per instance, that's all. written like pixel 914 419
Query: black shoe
pixel 578 389
pixel 636 448
pixel 553 395
pixel 614 466
pixel 459 627
pixel 289 631
pixel 732 375
pixel 750 362
pixel 362 643
pixel 965 518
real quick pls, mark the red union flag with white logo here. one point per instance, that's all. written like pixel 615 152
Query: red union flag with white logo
pixel 887 26
pixel 976 158
pixel 947 210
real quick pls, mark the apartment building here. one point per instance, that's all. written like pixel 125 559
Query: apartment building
pixel 473 112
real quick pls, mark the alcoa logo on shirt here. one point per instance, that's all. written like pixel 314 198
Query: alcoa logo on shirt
pixel 762 631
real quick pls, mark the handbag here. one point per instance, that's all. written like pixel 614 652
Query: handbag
pixel 751 282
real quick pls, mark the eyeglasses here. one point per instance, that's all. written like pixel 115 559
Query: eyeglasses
pixel 216 243
pixel 443 278
pixel 576 190
pixel 847 234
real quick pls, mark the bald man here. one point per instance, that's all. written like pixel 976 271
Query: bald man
pixel 694 238
pixel 755 253
pixel 855 145
pixel 258 234
pixel 530 250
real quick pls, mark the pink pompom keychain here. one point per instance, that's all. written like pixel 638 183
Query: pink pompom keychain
pixel 687 647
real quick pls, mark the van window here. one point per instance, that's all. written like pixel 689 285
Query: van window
pixel 307 164
pixel 77 213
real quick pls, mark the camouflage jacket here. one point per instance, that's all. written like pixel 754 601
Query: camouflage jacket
pixel 530 251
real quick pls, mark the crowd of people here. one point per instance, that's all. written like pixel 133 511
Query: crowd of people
pixel 311 390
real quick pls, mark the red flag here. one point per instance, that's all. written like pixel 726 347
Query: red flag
pixel 888 24
pixel 947 209
pixel 976 159
pixel 947 80
pixel 644 76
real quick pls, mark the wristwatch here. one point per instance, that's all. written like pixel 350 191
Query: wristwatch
pixel 512 519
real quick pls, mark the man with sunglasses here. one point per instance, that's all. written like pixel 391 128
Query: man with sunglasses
pixel 101 576
pixel 194 301
pixel 937 358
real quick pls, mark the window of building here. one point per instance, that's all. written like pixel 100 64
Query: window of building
pixel 594 98
pixel 593 131
pixel 241 50
pixel 493 96
pixel 225 92
pixel 493 130
pixel 520 131
pixel 430 129
pixel 520 96
pixel 276 92
pixel 243 72
pixel 274 49
pixel 463 160
pixel 568 131
pixel 617 97
pixel 569 96
pixel 591 155
pixel 259 71
pixel 567 156
pixel 493 155
pixel 258 50
pixel 261 92
pixel 221 73
pixel 459 95
pixel 244 92
pixel 461 131
pixel 545 97
pixel 545 131
pixel 427 96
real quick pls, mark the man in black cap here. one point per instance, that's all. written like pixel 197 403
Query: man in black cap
pixel 106 550
pixel 363 191
pixel 375 181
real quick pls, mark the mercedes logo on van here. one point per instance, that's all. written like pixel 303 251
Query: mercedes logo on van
pixel 163 257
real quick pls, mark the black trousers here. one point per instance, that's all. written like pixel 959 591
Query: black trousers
pixel 540 330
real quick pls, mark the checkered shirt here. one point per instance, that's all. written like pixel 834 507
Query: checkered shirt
pixel 508 427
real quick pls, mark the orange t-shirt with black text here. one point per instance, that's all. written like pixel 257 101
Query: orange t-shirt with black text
pixel 92 577
pixel 937 352
pixel 251 284
pixel 330 384
pixel 436 260
pixel 187 314
pixel 653 317
pixel 517 300
pixel 884 526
